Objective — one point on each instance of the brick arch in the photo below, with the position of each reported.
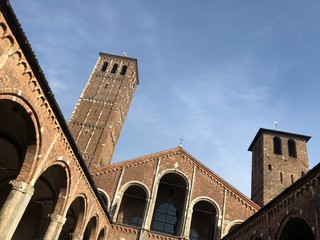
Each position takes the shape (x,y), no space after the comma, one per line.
(91,226)
(163,193)
(102,234)
(132,207)
(232,225)
(107,197)
(176,171)
(190,224)
(19,141)
(82,220)
(131,183)
(294,214)
(31,160)
(50,192)
(64,192)
(208,199)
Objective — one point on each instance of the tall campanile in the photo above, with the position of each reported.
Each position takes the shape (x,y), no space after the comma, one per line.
(97,119)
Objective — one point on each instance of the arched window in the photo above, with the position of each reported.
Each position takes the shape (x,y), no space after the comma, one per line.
(234,227)
(296,229)
(165,218)
(277,148)
(104,66)
(170,204)
(136,221)
(114,68)
(292,148)
(204,220)
(124,70)
(132,206)
(104,198)
(194,235)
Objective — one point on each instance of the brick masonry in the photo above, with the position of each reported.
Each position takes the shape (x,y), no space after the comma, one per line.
(42,162)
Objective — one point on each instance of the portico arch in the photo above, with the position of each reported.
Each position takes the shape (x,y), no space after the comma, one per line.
(296,228)
(47,202)
(90,231)
(17,143)
(74,219)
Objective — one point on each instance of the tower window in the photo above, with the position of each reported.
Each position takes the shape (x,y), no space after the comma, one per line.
(302,173)
(281,177)
(292,148)
(114,68)
(292,180)
(104,66)
(277,149)
(124,70)
(270,167)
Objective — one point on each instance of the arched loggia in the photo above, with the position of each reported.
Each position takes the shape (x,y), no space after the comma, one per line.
(17,141)
(90,230)
(296,229)
(36,218)
(74,219)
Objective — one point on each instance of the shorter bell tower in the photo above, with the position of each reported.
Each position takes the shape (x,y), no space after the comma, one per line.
(278,159)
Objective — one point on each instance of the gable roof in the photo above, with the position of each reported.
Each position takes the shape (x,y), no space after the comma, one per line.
(177,150)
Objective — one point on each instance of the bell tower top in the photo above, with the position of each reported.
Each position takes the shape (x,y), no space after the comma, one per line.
(278,159)
(98,117)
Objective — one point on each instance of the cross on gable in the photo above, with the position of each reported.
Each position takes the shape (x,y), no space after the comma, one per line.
(176,165)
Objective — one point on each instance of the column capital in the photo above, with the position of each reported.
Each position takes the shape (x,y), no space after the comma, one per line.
(58,218)
(22,187)
(75,236)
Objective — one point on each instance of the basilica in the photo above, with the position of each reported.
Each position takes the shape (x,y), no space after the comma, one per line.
(57,181)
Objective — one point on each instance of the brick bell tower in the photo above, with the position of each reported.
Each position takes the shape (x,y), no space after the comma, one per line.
(278,159)
(97,119)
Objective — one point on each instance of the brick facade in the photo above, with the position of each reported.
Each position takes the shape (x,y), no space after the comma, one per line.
(48,192)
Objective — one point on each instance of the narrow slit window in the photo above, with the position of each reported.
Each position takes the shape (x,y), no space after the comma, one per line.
(124,70)
(281,177)
(270,167)
(114,68)
(104,66)
(292,180)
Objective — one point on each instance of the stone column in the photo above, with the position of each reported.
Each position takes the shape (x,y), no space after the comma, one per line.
(55,227)
(14,207)
(76,237)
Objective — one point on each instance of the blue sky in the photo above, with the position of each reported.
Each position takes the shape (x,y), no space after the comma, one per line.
(212,72)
